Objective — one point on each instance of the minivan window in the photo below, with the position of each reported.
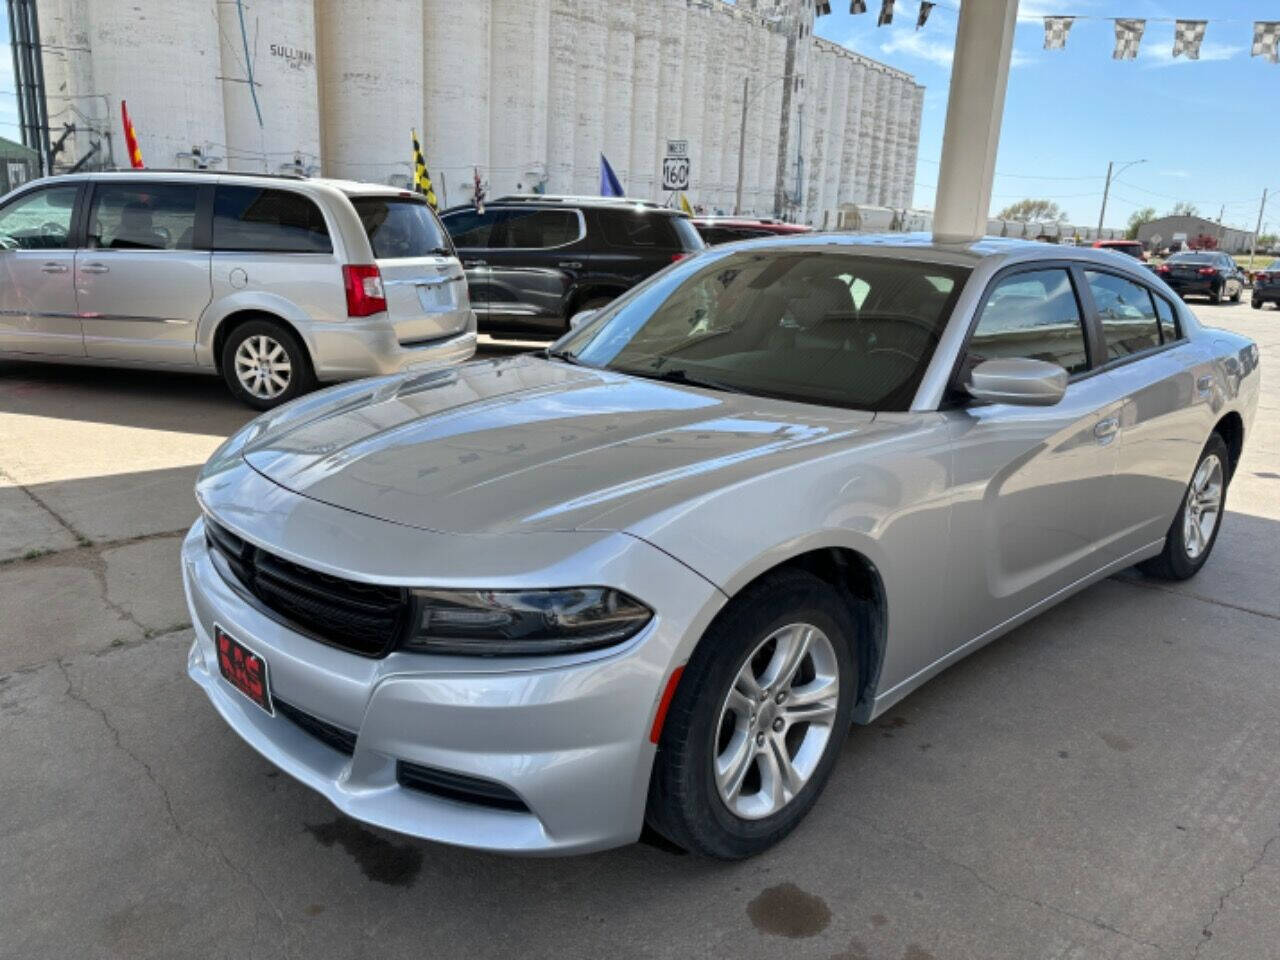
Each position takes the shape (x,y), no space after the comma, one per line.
(142,216)
(1128,316)
(264,220)
(38,220)
(469,228)
(1033,315)
(399,228)
(534,229)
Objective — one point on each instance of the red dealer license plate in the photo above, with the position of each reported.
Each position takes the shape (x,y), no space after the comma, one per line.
(243,669)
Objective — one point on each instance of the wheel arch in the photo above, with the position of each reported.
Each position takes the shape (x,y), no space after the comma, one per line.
(238,318)
(1231,428)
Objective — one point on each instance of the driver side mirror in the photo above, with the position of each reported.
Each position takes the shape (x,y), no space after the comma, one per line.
(1019,381)
(580,318)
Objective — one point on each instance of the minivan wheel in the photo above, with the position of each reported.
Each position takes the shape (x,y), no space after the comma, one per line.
(758,719)
(265,365)
(1195,527)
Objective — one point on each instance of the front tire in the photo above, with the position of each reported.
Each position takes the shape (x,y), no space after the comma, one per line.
(264,364)
(758,719)
(1195,527)
(1235,297)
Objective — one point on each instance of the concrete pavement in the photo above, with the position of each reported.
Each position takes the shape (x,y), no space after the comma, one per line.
(1103,782)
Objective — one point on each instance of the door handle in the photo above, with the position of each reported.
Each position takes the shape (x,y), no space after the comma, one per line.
(1105,430)
(95,268)
(1204,384)
(571,264)
(53,267)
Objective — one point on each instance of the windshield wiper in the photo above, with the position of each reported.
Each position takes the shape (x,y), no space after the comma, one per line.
(682,375)
(564,355)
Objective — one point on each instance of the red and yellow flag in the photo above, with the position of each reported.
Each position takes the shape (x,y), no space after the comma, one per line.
(131,139)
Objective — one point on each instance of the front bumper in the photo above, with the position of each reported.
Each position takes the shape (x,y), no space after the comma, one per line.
(570,739)
(354,348)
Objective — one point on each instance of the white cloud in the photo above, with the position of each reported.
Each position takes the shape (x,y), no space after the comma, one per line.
(1160,53)
(1034,11)
(937,52)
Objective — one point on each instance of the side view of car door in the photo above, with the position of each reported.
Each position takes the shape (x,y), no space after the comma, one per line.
(1032,483)
(536,257)
(38,312)
(471,231)
(142,277)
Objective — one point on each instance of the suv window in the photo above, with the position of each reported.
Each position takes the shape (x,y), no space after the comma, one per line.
(258,219)
(1034,315)
(142,216)
(400,228)
(1128,316)
(39,220)
(536,229)
(469,228)
(627,228)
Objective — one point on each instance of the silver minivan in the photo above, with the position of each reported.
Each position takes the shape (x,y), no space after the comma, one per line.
(273,282)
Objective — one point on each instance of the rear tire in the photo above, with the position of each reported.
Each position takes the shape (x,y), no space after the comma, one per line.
(264,364)
(1215,293)
(1195,527)
(737,766)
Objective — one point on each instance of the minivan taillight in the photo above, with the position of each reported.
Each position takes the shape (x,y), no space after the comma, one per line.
(365,295)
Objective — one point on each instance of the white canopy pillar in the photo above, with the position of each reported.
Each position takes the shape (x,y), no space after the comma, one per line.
(975,108)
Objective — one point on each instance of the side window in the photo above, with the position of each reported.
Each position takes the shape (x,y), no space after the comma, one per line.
(1034,315)
(142,216)
(626,229)
(469,228)
(1168,320)
(253,219)
(537,229)
(39,220)
(1128,316)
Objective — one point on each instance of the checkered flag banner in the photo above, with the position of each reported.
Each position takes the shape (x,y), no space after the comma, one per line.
(925,9)
(1187,36)
(857,6)
(821,7)
(886,14)
(1128,36)
(1266,40)
(1055,32)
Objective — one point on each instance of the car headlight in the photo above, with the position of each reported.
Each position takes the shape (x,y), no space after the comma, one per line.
(518,622)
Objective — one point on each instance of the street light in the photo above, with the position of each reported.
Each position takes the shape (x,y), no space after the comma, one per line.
(742,136)
(1107,189)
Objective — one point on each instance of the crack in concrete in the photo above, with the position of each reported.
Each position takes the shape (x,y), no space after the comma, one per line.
(1009,894)
(48,556)
(77,694)
(1206,932)
(80,538)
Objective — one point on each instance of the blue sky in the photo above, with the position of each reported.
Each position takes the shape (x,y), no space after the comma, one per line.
(1067,112)
(1197,123)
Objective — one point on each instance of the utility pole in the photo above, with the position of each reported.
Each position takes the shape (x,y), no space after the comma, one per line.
(1106,191)
(742,147)
(1253,244)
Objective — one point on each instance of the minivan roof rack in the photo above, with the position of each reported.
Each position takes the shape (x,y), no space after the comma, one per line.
(220,173)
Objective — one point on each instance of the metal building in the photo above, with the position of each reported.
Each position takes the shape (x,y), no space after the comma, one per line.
(527,93)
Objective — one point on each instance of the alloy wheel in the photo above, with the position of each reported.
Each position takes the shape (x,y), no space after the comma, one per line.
(1204,503)
(776,721)
(263,367)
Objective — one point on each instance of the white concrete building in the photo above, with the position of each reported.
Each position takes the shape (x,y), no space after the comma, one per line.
(530,92)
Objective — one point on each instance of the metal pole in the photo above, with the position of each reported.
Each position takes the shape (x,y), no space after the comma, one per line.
(742,148)
(1105,191)
(1253,244)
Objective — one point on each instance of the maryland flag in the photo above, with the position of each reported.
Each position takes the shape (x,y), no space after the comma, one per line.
(422,179)
(131,139)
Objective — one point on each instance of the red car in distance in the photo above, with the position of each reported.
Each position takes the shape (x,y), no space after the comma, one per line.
(727,229)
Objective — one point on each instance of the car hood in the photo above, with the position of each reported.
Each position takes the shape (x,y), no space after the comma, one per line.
(526,444)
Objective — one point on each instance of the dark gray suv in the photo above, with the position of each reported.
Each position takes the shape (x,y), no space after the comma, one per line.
(534,261)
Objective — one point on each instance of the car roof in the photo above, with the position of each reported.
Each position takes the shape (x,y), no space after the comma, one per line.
(553,202)
(350,187)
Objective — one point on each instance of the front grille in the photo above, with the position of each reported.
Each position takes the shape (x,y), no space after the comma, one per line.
(344,741)
(361,618)
(457,786)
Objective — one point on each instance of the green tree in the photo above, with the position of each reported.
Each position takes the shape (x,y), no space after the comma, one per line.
(1184,208)
(1137,219)
(1025,211)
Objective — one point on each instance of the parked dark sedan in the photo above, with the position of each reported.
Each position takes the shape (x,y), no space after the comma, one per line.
(1266,286)
(532,262)
(1206,272)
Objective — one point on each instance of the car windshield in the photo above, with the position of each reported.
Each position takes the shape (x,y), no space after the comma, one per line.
(839,329)
(399,228)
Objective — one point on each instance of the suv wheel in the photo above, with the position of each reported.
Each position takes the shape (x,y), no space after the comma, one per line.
(265,365)
(757,720)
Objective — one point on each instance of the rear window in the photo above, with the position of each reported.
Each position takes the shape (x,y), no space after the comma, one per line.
(400,228)
(263,220)
(1193,258)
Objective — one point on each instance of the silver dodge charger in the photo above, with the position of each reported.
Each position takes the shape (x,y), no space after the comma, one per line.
(652,574)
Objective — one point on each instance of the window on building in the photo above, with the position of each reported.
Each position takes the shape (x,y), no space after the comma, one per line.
(142,216)
(267,221)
